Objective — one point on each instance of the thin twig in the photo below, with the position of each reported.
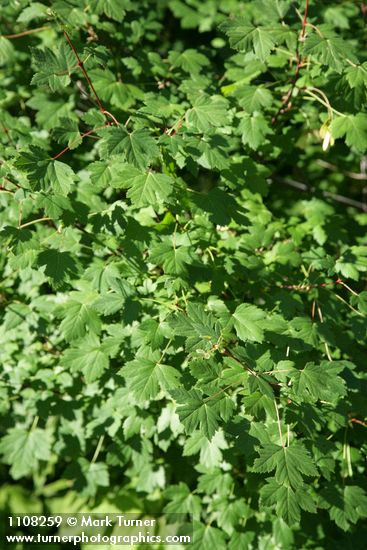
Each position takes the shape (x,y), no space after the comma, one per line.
(214,395)
(350,289)
(334,168)
(34,221)
(334,196)
(98,449)
(322,320)
(3,190)
(304,22)
(81,65)
(85,73)
(357,421)
(111,116)
(86,134)
(24,33)
(13,183)
(323,100)
(300,63)
(348,305)
(309,286)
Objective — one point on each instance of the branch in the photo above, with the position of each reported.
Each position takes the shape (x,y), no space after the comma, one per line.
(68,148)
(327,194)
(286,99)
(84,71)
(4,190)
(309,286)
(353,175)
(357,421)
(304,22)
(25,33)
(35,221)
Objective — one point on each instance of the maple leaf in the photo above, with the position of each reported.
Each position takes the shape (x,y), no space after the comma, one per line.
(137,147)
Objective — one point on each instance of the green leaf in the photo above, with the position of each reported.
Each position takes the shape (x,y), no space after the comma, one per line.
(207,537)
(23,450)
(111,89)
(60,267)
(195,411)
(190,61)
(78,318)
(88,476)
(34,11)
(35,163)
(172,256)
(254,129)
(89,357)
(248,322)
(67,132)
(53,69)
(138,147)
(328,48)
(288,501)
(318,382)
(245,38)
(146,378)
(346,504)
(199,327)
(145,189)
(210,452)
(115,9)
(60,176)
(354,128)
(291,463)
(356,76)
(206,113)
(254,98)
(182,501)
(6,51)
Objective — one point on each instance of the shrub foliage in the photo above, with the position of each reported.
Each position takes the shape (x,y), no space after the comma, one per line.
(183,217)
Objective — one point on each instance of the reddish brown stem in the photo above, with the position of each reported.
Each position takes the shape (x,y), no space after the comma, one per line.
(286,99)
(304,22)
(85,73)
(111,116)
(25,33)
(357,421)
(307,287)
(82,136)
